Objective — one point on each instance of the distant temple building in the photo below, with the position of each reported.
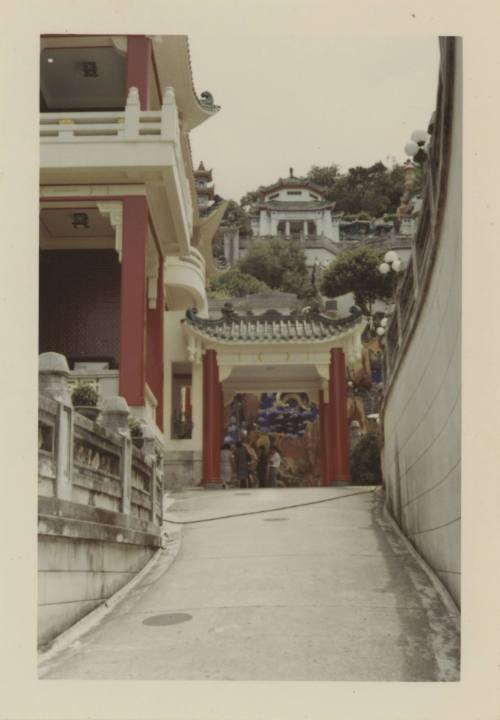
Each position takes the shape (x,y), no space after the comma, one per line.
(204,187)
(295,208)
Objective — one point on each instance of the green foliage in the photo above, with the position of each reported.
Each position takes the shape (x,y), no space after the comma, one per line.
(234,283)
(374,190)
(181,426)
(357,271)
(280,263)
(364,461)
(250,198)
(325,176)
(235,215)
(135,427)
(84,394)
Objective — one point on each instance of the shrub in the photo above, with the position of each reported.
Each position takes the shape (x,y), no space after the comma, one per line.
(135,427)
(364,461)
(84,394)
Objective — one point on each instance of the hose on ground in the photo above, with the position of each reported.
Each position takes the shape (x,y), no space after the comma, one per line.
(269,510)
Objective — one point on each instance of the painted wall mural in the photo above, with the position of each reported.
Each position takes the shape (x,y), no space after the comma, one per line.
(287,420)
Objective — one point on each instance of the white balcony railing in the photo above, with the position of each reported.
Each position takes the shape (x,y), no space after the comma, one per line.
(132,124)
(75,132)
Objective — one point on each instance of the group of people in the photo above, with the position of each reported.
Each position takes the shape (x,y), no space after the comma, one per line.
(250,468)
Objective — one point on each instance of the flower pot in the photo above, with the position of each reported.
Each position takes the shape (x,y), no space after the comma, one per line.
(89,411)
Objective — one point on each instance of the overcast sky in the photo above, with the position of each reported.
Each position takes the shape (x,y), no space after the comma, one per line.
(302,100)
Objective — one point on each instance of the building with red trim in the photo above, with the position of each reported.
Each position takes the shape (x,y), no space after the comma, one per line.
(122,241)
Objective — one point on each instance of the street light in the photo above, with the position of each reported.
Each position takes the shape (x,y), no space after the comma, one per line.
(392,261)
(415,148)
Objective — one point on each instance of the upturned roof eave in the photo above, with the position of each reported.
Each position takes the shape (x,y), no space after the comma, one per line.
(173,61)
(326,343)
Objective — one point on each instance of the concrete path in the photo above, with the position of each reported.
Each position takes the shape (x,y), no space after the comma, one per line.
(326,591)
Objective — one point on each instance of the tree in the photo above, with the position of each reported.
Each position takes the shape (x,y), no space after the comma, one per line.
(325,176)
(234,283)
(279,263)
(374,189)
(357,271)
(235,215)
(250,198)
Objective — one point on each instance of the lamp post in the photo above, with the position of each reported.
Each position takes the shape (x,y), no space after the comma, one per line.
(392,263)
(416,147)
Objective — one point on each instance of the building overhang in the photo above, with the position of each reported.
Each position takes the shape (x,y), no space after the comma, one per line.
(173,63)
(130,147)
(204,234)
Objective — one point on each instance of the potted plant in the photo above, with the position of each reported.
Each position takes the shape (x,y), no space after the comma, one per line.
(136,433)
(181,426)
(84,398)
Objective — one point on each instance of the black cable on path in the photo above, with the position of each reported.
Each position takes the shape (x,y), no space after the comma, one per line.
(260,512)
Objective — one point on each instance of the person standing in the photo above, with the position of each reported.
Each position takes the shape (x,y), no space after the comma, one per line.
(274,466)
(226,465)
(241,459)
(262,465)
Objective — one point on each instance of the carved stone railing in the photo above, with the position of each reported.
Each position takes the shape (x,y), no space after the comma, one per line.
(413,287)
(94,464)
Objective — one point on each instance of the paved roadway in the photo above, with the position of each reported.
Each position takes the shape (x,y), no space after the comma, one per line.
(326,591)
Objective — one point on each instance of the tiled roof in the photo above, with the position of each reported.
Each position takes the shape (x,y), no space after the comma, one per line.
(272,326)
(298,205)
(294,182)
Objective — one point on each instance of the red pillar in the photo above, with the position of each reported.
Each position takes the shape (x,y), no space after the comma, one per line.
(154,350)
(211,421)
(188,410)
(139,67)
(325,434)
(338,404)
(133,300)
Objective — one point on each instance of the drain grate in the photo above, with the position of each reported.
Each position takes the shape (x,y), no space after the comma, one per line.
(274,519)
(167,619)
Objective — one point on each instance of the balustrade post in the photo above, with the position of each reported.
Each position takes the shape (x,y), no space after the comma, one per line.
(169,119)
(132,110)
(53,382)
(115,414)
(148,448)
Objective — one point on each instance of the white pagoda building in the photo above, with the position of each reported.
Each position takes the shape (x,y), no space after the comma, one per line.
(293,208)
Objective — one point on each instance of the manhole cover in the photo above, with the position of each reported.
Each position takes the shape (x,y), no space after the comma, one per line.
(274,519)
(167,619)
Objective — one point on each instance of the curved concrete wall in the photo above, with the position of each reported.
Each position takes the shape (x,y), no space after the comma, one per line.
(421,455)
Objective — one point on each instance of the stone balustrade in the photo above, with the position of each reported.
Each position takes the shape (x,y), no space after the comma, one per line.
(99,505)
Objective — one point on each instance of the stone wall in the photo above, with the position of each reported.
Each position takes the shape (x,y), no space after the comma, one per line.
(182,469)
(421,415)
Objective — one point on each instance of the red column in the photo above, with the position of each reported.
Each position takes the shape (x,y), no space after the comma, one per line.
(325,434)
(188,410)
(133,300)
(138,67)
(211,420)
(338,404)
(154,350)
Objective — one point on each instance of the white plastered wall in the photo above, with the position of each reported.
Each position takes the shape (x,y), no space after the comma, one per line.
(422,418)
